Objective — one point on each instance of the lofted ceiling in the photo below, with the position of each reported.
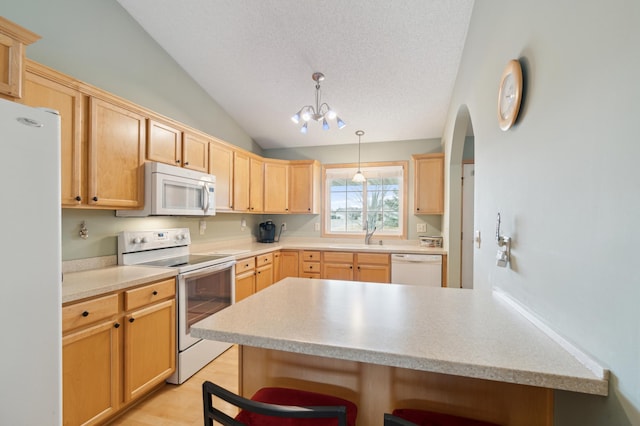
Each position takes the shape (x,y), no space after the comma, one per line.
(389,65)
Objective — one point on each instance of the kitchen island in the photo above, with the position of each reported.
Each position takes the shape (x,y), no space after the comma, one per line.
(387,346)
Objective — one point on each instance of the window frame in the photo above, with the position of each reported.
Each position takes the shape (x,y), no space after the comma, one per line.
(326,199)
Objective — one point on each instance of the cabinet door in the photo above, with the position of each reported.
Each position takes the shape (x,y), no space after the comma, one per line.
(221,165)
(256,185)
(302,187)
(150,347)
(116,156)
(264,277)
(373,273)
(240,181)
(245,285)
(13,39)
(195,153)
(276,187)
(288,264)
(164,143)
(90,366)
(429,184)
(42,92)
(337,271)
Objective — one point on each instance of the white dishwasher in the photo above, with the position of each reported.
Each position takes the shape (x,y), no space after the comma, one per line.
(418,269)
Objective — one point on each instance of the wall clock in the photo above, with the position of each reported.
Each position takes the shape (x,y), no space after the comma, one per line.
(510,94)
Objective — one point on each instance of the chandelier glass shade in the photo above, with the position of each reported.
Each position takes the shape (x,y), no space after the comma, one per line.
(359,177)
(320,112)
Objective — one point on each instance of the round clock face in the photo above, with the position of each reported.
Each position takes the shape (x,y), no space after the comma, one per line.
(510,94)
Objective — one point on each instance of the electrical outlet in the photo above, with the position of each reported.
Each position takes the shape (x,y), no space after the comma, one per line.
(317,226)
(284,226)
(422,227)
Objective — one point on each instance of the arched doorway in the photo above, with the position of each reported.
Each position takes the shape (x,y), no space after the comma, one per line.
(461,154)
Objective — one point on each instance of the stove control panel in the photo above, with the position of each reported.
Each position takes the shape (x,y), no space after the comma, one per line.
(136,241)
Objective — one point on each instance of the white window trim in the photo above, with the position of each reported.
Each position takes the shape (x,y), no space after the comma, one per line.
(326,201)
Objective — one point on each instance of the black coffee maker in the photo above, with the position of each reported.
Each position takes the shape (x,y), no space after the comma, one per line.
(267,232)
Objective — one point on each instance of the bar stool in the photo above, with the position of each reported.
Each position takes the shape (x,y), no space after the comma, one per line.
(415,417)
(274,406)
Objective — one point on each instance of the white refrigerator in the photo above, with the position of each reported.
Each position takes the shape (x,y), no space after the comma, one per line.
(30,311)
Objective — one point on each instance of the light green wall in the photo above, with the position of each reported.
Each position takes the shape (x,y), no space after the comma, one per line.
(563,179)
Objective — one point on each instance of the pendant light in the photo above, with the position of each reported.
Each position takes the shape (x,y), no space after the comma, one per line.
(320,112)
(359,177)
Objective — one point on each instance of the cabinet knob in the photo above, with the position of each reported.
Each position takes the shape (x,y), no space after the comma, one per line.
(177,161)
(132,319)
(311,267)
(418,208)
(116,325)
(78,198)
(308,209)
(85,314)
(95,198)
(155,293)
(186,163)
(350,267)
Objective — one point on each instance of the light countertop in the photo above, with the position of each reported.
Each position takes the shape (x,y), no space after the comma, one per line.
(95,282)
(451,331)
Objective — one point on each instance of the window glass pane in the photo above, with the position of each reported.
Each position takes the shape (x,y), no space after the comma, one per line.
(377,200)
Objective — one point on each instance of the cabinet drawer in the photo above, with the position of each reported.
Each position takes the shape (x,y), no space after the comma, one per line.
(373,258)
(311,267)
(149,293)
(311,255)
(83,313)
(245,265)
(309,275)
(265,259)
(337,257)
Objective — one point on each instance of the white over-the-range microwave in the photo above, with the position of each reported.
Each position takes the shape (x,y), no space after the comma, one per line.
(175,191)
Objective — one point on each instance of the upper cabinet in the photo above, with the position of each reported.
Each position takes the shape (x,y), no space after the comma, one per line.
(304,182)
(116,155)
(276,186)
(221,165)
(428,183)
(256,184)
(168,144)
(13,39)
(45,88)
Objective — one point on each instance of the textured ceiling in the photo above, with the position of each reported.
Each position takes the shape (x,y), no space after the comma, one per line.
(389,65)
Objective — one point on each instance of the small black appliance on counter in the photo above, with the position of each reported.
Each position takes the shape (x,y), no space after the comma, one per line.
(267,232)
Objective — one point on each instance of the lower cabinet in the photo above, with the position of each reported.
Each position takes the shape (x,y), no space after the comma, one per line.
(369,267)
(253,274)
(114,351)
(309,264)
(288,265)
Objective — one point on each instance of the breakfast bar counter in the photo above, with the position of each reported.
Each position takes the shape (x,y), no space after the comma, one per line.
(384,346)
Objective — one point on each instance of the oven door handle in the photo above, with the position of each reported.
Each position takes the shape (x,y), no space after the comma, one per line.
(208,270)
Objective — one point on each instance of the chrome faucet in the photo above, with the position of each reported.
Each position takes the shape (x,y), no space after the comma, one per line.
(368,235)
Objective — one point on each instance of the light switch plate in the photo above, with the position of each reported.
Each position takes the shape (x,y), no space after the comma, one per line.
(317,226)
(422,227)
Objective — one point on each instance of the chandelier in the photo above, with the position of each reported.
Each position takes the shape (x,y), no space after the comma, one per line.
(321,111)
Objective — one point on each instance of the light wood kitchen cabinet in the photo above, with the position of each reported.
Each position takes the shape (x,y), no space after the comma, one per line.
(221,166)
(276,186)
(116,348)
(150,347)
(304,186)
(369,267)
(245,278)
(13,40)
(116,155)
(373,267)
(289,264)
(256,184)
(310,264)
(90,360)
(168,144)
(46,88)
(428,183)
(264,271)
(337,265)
(241,181)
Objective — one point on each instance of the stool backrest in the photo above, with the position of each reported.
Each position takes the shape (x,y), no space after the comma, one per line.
(211,413)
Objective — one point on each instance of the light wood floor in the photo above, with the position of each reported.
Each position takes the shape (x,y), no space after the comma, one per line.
(182,405)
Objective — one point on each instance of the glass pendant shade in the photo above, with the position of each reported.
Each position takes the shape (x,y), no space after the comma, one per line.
(358,177)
